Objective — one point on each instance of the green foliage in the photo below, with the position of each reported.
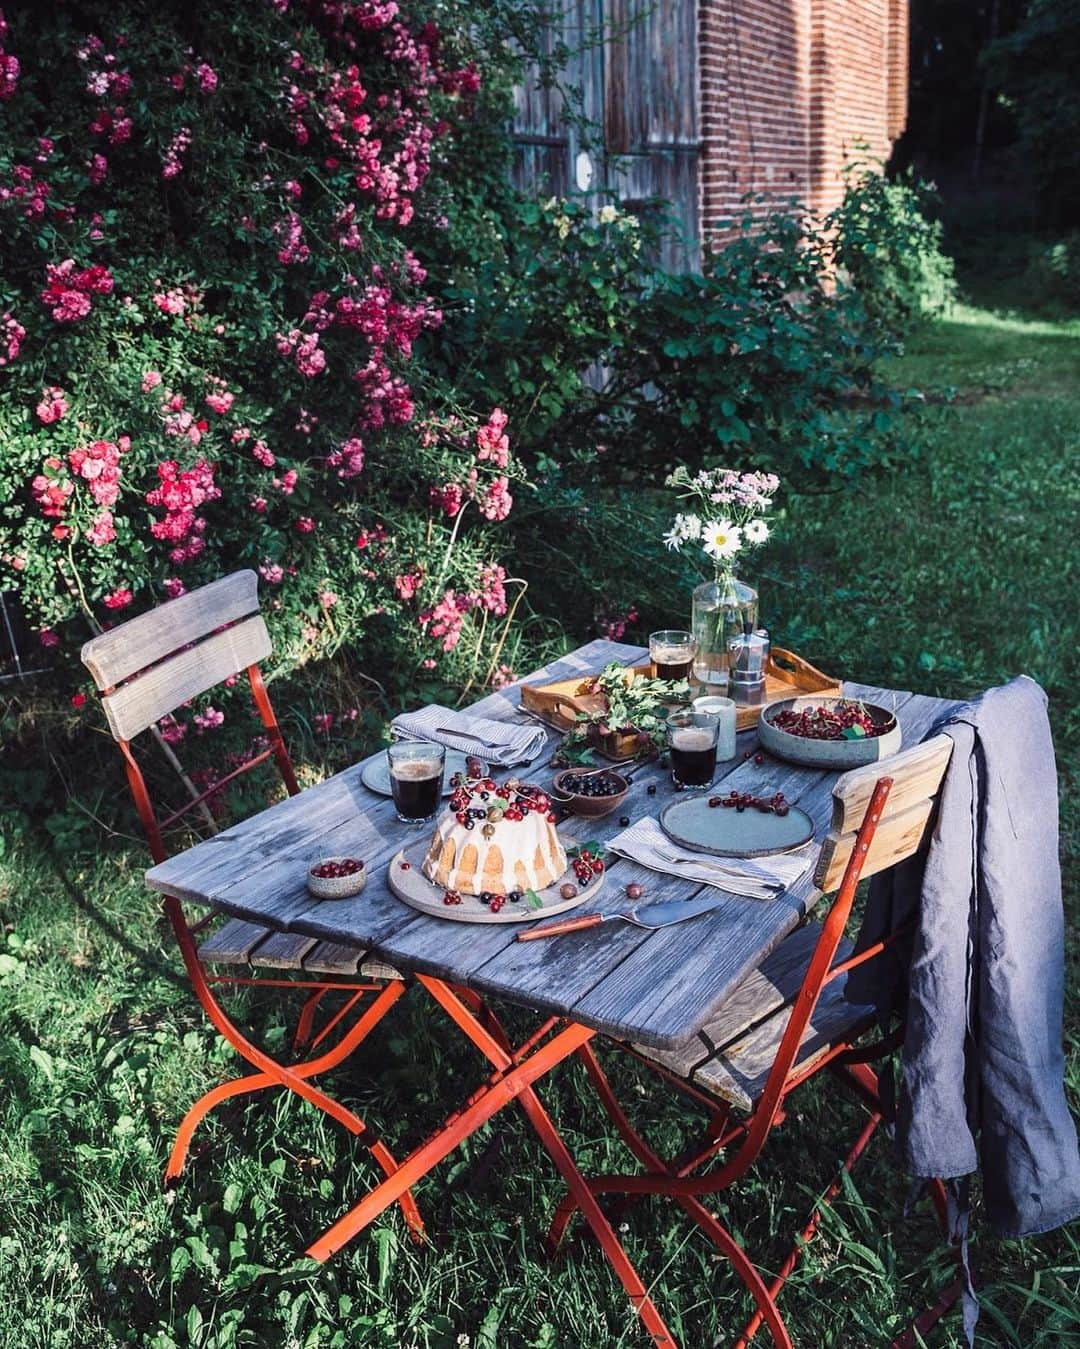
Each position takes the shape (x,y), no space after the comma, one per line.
(1035,67)
(889,249)
(947,576)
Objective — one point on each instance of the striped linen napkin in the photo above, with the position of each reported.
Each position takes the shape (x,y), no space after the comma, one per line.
(496,742)
(755,877)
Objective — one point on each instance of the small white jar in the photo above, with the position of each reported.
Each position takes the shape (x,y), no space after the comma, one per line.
(724,710)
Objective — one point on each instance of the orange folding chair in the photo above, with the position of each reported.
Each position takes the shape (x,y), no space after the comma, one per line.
(787,1022)
(145,669)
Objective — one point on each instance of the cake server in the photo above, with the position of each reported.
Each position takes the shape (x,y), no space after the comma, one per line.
(642,915)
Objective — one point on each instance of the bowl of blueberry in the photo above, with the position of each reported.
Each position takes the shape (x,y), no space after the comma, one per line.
(589,791)
(336,877)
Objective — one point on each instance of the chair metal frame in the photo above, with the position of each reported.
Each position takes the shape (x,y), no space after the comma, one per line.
(742,1140)
(269,1072)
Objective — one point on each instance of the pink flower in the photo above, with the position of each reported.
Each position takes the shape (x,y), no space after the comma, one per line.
(448,497)
(98,169)
(496,502)
(271,572)
(11,338)
(492,596)
(208,720)
(101,530)
(262,453)
(323,722)
(181,493)
(48,638)
(408,583)
(348,459)
(53,405)
(502,677)
(172,731)
(207,77)
(173,160)
(118,599)
(327,599)
(174,587)
(99,465)
(51,492)
(258,505)
(171,301)
(287,482)
(9,75)
(150,381)
(445,619)
(67,292)
(220,402)
(493,445)
(305,525)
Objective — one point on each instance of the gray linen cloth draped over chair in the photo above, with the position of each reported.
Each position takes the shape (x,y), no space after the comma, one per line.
(982,1069)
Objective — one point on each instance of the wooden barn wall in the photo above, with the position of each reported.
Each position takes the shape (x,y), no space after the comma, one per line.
(640,90)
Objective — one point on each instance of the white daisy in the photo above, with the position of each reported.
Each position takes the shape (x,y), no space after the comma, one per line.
(755,531)
(684,529)
(721,539)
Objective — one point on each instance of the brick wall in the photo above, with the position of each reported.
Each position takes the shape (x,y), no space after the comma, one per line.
(788,90)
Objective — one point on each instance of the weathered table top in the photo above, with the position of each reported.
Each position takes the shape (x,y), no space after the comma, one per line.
(656,988)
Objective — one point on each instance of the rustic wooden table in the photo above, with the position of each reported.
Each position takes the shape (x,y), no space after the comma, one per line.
(655,988)
(652,988)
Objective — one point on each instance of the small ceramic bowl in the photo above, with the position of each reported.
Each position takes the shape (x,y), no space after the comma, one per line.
(337,886)
(563,793)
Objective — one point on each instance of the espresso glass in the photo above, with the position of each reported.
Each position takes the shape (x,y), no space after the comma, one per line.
(416,779)
(672,653)
(692,746)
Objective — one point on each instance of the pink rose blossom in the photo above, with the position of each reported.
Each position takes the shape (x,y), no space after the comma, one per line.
(327,599)
(118,599)
(323,722)
(11,338)
(208,720)
(305,525)
(48,638)
(150,380)
(220,402)
(493,445)
(172,731)
(271,572)
(348,459)
(174,587)
(53,405)
(207,77)
(101,530)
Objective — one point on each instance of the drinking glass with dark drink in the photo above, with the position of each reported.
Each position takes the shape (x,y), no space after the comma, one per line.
(692,745)
(672,653)
(416,779)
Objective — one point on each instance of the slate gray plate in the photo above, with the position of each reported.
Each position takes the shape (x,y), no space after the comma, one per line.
(375,774)
(724,832)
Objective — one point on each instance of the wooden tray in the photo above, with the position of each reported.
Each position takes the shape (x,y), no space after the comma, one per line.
(786,676)
(412,887)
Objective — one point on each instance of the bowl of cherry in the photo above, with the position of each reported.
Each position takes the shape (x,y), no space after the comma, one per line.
(336,877)
(829,732)
(588,791)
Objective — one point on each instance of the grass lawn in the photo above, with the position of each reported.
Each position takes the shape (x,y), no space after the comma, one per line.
(955,572)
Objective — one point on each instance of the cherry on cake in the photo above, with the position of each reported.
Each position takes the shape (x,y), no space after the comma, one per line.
(495,840)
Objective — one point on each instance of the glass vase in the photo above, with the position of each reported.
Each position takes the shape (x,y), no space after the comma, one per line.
(721,609)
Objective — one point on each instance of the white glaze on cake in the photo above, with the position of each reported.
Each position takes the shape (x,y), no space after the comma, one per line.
(498,854)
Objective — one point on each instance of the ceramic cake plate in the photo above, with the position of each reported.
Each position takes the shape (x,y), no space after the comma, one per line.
(412,887)
(727,832)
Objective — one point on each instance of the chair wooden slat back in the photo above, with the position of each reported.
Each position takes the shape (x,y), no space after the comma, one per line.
(895,798)
(916,779)
(151,665)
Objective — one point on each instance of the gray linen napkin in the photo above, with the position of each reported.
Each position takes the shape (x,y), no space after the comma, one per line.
(755,877)
(496,742)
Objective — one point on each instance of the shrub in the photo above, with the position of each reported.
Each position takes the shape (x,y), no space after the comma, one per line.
(889,249)
(214,318)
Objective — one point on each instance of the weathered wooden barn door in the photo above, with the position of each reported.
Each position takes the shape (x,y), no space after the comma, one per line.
(553,156)
(639,90)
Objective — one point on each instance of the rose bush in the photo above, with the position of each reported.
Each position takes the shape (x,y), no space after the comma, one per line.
(213,309)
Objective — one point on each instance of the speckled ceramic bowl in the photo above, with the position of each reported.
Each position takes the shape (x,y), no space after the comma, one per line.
(836,754)
(336,887)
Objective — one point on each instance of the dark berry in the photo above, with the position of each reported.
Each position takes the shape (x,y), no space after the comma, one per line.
(405,866)
(714,801)
(651,788)
(634,891)
(624,820)
(759,758)
(568,891)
